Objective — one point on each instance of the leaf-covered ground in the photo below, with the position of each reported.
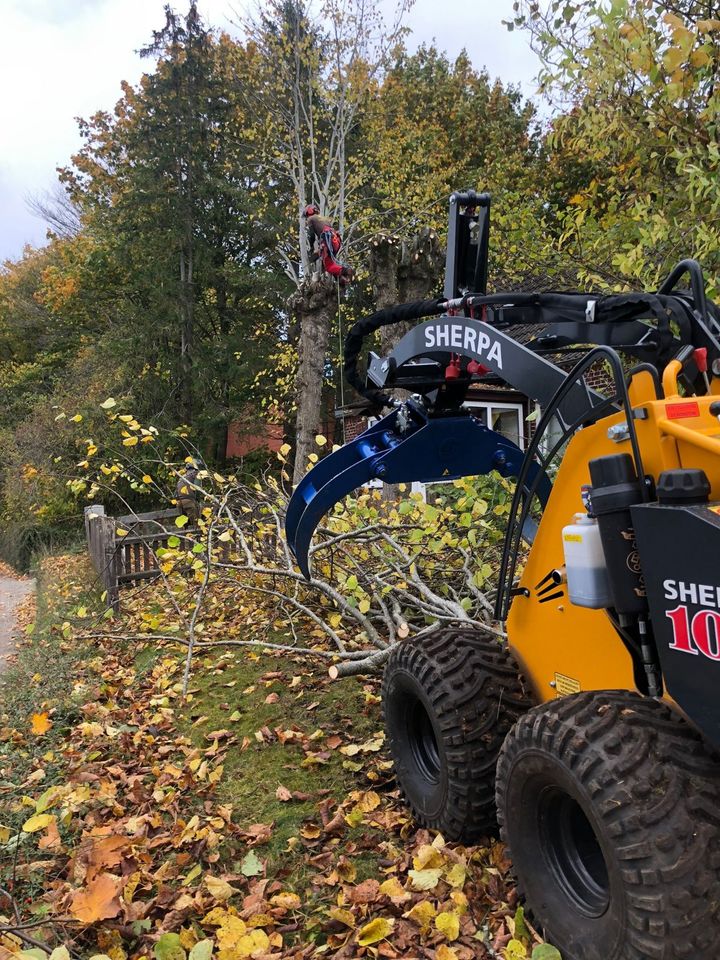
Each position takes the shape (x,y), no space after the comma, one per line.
(257,818)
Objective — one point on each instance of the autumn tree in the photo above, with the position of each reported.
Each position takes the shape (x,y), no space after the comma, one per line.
(166,184)
(635,142)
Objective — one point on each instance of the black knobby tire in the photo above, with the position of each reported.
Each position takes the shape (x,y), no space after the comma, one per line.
(610,807)
(449,701)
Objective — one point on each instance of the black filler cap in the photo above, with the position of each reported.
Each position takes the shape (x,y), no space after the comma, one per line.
(683,486)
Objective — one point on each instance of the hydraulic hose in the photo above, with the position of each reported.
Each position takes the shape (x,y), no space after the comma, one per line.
(358,333)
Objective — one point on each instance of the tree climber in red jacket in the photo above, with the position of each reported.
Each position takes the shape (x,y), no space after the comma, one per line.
(328,241)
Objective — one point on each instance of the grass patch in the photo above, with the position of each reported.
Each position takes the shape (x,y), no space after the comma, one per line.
(290,723)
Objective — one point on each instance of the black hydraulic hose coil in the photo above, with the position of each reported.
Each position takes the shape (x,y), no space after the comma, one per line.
(357,334)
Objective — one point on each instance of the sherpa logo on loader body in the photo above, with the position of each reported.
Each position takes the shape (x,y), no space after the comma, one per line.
(699,631)
(463,337)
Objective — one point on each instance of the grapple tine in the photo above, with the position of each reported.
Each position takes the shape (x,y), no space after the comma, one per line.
(355,452)
(398,449)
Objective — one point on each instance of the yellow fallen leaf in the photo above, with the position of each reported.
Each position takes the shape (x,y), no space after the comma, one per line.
(444,952)
(254,943)
(320,440)
(428,857)
(448,924)
(515,950)
(5,834)
(456,875)
(225,536)
(130,441)
(229,932)
(422,914)
(219,889)
(376,930)
(38,822)
(393,888)
(290,901)
(41,723)
(147,478)
(368,801)
(342,916)
(425,879)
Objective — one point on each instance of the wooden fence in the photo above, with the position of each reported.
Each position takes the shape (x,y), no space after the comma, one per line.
(130,557)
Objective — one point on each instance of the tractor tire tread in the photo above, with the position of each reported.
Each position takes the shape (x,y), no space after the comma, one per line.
(656,786)
(477,694)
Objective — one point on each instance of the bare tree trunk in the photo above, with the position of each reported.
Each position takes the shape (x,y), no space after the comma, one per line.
(314,305)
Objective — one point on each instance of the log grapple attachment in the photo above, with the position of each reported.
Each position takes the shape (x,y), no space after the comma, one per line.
(404,446)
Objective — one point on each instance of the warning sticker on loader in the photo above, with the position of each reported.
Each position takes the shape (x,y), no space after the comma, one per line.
(566,685)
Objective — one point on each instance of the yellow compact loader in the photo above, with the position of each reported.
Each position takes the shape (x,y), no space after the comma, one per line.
(590,737)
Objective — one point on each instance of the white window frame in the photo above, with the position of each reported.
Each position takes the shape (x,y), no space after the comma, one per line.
(488,405)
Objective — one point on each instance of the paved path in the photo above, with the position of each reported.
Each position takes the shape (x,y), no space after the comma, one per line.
(11,593)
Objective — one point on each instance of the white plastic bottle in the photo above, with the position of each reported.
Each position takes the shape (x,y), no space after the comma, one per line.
(585,567)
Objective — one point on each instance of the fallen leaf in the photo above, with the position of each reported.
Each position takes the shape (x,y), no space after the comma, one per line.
(444,952)
(282,793)
(448,924)
(346,917)
(289,901)
(219,889)
(544,951)
(378,929)
(251,865)
(202,950)
(422,914)
(38,822)
(41,723)
(393,888)
(515,950)
(51,840)
(99,900)
(425,879)
(169,947)
(229,932)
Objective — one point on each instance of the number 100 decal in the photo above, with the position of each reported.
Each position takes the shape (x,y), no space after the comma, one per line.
(699,634)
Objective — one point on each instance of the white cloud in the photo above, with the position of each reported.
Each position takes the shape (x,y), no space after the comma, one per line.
(60,59)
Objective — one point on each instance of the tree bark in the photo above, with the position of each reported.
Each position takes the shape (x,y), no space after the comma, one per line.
(384,263)
(314,306)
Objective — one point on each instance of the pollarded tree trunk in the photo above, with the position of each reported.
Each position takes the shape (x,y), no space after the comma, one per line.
(384,263)
(314,306)
(421,265)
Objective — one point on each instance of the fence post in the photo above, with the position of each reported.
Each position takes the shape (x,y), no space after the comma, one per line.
(110,565)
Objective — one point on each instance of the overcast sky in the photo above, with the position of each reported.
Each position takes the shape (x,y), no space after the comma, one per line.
(60,59)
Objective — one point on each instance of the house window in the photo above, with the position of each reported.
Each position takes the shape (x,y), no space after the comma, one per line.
(507,419)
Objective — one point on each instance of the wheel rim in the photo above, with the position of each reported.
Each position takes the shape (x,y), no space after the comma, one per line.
(573,853)
(422,740)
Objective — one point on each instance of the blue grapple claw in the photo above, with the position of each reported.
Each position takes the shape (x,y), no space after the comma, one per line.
(404,446)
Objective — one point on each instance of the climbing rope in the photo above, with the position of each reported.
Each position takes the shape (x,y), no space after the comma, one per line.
(340,358)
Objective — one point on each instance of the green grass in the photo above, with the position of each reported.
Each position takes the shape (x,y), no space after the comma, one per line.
(230,692)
